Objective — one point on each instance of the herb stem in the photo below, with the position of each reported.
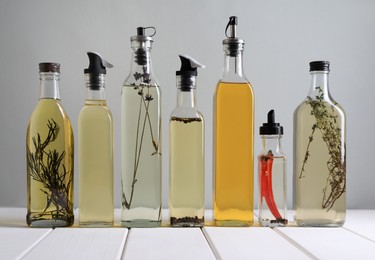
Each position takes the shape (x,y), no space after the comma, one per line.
(145,99)
(326,122)
(307,153)
(47,168)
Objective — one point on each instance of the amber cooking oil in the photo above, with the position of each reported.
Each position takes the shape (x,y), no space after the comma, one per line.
(234,163)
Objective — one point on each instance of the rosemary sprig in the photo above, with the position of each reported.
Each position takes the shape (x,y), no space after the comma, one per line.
(143,90)
(326,123)
(45,166)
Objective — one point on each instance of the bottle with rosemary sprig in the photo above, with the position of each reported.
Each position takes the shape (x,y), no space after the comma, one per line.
(141,138)
(49,156)
(319,155)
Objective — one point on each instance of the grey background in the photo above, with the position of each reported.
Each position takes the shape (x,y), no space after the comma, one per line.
(281,38)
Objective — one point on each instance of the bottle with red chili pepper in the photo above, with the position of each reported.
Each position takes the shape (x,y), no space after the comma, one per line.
(272,175)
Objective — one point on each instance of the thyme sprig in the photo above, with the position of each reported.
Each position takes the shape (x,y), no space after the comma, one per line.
(143,90)
(46,167)
(326,123)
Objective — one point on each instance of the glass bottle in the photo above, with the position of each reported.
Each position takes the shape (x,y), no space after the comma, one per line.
(49,156)
(95,149)
(141,138)
(319,155)
(233,138)
(272,175)
(186,199)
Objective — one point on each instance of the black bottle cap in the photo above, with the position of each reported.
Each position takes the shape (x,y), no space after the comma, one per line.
(188,66)
(96,68)
(141,31)
(49,67)
(97,64)
(271,128)
(187,71)
(319,65)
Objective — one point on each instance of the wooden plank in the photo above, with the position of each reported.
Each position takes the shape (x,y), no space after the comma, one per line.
(167,243)
(81,243)
(361,222)
(16,238)
(16,242)
(251,242)
(330,243)
(356,239)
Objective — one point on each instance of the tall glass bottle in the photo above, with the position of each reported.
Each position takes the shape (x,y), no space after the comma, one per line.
(233,138)
(319,155)
(141,138)
(49,156)
(95,149)
(186,199)
(272,175)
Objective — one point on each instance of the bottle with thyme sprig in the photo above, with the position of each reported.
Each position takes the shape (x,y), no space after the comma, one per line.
(141,138)
(319,155)
(49,156)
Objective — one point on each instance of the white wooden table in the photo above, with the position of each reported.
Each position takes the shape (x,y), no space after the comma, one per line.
(356,240)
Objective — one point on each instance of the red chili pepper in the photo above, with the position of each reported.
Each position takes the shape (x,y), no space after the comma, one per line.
(266,184)
(263,178)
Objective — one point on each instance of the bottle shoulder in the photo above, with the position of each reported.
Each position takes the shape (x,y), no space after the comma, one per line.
(49,107)
(140,79)
(234,86)
(310,103)
(95,112)
(186,112)
(234,78)
(141,90)
(48,112)
(243,92)
(311,111)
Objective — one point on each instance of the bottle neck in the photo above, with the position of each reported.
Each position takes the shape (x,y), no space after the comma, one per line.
(49,85)
(95,87)
(141,60)
(319,84)
(233,65)
(271,143)
(186,91)
(186,98)
(141,65)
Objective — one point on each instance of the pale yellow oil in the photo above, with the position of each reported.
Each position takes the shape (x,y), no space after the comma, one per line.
(186,200)
(95,154)
(234,154)
(141,156)
(309,187)
(50,191)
